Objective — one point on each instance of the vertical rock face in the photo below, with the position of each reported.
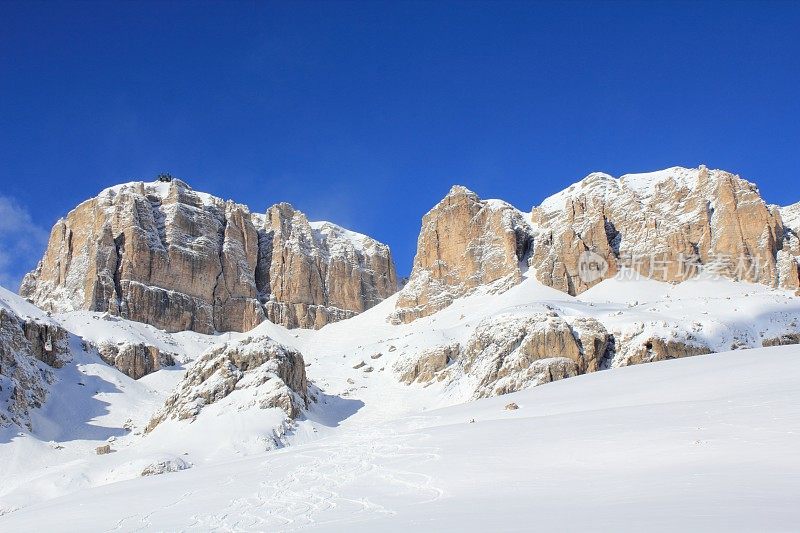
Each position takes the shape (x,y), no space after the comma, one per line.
(315,273)
(665,225)
(163,254)
(788,257)
(465,243)
(662,225)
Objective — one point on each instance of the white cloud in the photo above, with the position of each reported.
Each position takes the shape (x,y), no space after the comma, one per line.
(22,242)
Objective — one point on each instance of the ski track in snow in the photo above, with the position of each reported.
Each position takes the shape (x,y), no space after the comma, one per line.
(314,490)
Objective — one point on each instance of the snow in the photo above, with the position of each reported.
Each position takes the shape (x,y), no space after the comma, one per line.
(704,443)
(696,443)
(100,328)
(338,238)
(791,216)
(595,184)
(21,307)
(644,184)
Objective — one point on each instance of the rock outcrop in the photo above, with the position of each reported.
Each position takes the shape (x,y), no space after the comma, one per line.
(253,372)
(163,254)
(654,349)
(428,364)
(30,348)
(465,243)
(508,353)
(659,340)
(668,225)
(135,360)
(782,340)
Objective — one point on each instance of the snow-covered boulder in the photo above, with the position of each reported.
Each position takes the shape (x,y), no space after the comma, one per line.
(253,372)
(508,353)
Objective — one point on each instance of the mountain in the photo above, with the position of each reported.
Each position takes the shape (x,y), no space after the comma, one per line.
(163,254)
(668,225)
(503,355)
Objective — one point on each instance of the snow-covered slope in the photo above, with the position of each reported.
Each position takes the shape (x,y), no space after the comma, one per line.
(705,443)
(360,392)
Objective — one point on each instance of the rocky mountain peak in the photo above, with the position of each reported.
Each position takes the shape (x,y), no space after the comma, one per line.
(465,243)
(667,225)
(164,254)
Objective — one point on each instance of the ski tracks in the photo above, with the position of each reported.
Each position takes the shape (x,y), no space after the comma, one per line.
(327,483)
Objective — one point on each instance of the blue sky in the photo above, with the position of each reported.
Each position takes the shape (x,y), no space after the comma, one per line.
(365,113)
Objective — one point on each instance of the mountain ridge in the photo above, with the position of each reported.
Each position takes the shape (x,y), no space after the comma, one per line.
(166,255)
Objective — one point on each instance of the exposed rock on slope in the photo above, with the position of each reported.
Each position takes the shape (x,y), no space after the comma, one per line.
(253,372)
(30,346)
(664,225)
(647,347)
(508,353)
(465,243)
(134,360)
(165,255)
(427,364)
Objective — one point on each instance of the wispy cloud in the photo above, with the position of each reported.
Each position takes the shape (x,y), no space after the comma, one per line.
(22,242)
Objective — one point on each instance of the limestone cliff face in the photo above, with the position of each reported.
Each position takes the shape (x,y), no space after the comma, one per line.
(508,353)
(465,243)
(666,225)
(314,273)
(163,254)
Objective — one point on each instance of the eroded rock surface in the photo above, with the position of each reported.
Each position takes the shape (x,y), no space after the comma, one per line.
(253,372)
(177,259)
(662,225)
(665,225)
(29,351)
(135,360)
(508,353)
(465,243)
(428,364)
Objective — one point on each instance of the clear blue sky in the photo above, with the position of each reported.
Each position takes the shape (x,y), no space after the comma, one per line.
(365,113)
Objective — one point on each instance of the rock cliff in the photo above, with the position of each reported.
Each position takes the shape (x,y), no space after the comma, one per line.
(664,225)
(465,243)
(667,225)
(163,254)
